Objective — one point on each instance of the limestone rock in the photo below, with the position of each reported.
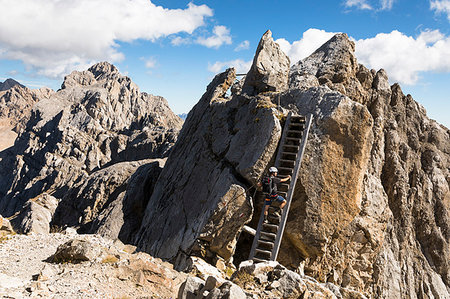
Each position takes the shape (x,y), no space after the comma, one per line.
(270,68)
(5,227)
(75,251)
(16,102)
(111,201)
(200,202)
(122,218)
(36,215)
(203,270)
(333,64)
(282,283)
(97,119)
(370,212)
(380,222)
(190,288)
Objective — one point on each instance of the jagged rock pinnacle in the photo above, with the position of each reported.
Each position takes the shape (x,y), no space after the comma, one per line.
(270,68)
(333,62)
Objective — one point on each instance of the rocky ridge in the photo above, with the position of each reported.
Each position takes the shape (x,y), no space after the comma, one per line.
(370,211)
(79,134)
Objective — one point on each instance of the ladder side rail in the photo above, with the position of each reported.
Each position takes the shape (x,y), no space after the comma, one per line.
(290,194)
(283,138)
(258,233)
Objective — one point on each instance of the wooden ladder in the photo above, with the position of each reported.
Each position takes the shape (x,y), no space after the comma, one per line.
(267,241)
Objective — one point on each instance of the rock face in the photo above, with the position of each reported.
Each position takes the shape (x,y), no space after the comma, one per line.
(270,68)
(371,208)
(98,119)
(111,202)
(201,200)
(383,202)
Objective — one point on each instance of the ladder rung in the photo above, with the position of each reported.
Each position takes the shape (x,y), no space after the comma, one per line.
(289,153)
(294,131)
(259,260)
(288,161)
(284,185)
(270,225)
(293,138)
(265,243)
(288,145)
(270,235)
(297,118)
(285,168)
(263,251)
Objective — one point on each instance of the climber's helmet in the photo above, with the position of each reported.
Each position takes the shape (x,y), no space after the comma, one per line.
(273,169)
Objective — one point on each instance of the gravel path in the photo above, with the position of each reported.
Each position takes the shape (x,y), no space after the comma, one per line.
(22,260)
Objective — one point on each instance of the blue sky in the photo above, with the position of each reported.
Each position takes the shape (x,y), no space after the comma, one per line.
(174,48)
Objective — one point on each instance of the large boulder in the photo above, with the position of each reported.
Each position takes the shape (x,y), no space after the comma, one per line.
(76,251)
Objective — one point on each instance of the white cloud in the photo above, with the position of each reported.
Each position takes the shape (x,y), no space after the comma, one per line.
(12,73)
(310,41)
(364,5)
(150,62)
(402,56)
(241,66)
(359,4)
(387,4)
(178,41)
(53,37)
(221,36)
(441,6)
(243,46)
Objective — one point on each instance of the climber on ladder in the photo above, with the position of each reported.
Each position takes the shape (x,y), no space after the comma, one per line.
(271,191)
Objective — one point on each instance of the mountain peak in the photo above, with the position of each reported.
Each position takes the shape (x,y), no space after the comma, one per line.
(98,71)
(9,83)
(333,62)
(103,69)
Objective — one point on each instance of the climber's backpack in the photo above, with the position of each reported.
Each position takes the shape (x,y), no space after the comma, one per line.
(267,185)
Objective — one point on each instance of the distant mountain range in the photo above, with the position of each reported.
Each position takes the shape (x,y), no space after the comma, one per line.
(9,83)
